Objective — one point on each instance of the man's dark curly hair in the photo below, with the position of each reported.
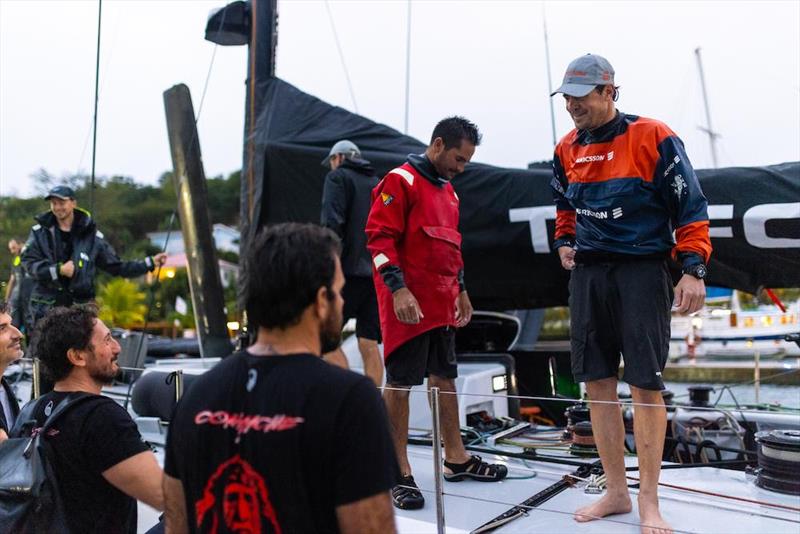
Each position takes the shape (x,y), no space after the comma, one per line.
(286,265)
(60,330)
(3,306)
(453,130)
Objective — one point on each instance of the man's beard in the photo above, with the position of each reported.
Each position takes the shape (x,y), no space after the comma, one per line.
(105,376)
(330,333)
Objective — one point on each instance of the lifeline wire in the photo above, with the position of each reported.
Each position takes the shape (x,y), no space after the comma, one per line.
(589,401)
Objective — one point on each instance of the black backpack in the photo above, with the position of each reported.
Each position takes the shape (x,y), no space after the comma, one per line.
(30,501)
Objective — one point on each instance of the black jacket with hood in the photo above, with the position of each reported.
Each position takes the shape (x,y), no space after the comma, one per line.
(346,201)
(89,252)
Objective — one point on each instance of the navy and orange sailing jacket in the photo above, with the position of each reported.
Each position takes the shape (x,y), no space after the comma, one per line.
(413,237)
(624,188)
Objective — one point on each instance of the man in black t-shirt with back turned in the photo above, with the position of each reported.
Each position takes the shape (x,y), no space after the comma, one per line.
(101,464)
(273,439)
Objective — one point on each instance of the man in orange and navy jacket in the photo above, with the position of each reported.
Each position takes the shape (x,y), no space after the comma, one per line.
(623,184)
(413,238)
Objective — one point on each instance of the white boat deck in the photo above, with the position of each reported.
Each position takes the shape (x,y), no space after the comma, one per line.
(469,504)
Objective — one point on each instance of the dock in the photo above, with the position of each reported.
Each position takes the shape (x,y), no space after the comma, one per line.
(784,372)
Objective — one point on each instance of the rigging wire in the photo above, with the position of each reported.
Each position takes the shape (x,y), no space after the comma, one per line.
(724,496)
(173,214)
(208,78)
(341,55)
(96,97)
(106,64)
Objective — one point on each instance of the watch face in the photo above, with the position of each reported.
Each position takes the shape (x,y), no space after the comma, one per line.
(700,271)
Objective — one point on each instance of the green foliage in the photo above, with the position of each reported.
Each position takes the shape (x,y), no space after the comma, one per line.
(223,198)
(124,211)
(121,303)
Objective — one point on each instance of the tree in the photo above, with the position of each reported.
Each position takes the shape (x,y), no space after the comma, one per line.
(121,303)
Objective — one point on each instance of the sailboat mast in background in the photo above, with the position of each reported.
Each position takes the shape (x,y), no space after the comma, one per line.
(708,129)
(549,77)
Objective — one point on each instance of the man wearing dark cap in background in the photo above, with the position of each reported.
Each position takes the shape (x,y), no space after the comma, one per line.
(346,200)
(18,290)
(623,184)
(64,251)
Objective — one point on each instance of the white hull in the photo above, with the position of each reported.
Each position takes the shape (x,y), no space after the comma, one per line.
(732,333)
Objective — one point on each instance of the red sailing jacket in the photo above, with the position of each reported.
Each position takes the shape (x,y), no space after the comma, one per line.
(413,224)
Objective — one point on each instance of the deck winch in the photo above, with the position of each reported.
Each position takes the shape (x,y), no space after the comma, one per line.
(779,461)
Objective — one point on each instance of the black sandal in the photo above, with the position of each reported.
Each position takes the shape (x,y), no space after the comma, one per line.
(475,469)
(406,495)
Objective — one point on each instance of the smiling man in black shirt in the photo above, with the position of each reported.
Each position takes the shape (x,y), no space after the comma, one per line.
(101,464)
(273,439)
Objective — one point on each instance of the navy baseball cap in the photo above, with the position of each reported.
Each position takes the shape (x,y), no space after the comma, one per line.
(584,74)
(61,191)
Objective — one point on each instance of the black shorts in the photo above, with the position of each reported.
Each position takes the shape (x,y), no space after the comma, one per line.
(430,353)
(622,308)
(361,303)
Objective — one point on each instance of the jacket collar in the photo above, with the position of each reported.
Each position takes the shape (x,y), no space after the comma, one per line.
(360,166)
(81,224)
(604,133)
(423,165)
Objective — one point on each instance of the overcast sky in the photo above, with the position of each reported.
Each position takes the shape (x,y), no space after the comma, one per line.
(482,59)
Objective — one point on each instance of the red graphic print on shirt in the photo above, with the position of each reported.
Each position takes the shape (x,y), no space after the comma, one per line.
(236,500)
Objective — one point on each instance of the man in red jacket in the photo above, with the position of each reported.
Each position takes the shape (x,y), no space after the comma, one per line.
(413,238)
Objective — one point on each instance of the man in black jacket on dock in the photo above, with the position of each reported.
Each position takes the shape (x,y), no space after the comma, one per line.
(64,251)
(346,201)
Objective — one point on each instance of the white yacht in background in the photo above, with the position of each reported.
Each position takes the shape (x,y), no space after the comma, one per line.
(724,330)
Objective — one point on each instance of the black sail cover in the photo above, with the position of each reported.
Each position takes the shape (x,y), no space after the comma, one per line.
(507,215)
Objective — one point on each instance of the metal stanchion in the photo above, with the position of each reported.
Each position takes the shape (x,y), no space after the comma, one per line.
(437,460)
(757,374)
(178,384)
(37,378)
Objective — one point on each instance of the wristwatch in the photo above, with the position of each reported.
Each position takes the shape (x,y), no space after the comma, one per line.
(699,271)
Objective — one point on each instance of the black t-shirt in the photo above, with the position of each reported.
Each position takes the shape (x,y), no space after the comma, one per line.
(278,440)
(88,439)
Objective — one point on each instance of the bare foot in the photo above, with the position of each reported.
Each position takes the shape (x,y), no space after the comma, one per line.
(608,504)
(651,520)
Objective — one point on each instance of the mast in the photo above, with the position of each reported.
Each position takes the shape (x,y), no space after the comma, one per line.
(549,77)
(254,23)
(708,129)
(96,97)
